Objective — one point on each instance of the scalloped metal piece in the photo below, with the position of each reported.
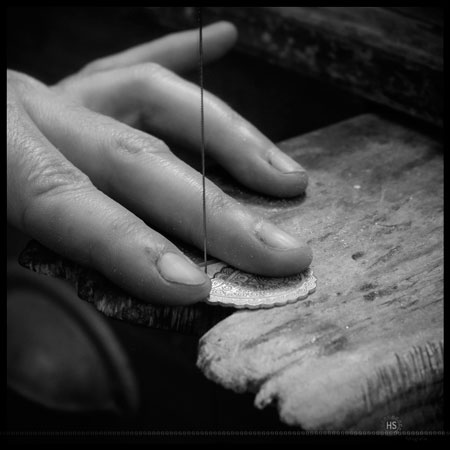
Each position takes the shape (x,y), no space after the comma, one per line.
(233,288)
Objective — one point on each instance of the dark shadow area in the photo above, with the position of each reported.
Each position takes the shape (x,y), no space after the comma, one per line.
(51,43)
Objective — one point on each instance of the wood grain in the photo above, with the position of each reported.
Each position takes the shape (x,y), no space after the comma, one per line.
(368,343)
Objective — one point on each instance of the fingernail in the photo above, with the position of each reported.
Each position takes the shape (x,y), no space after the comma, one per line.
(273,236)
(177,269)
(284,163)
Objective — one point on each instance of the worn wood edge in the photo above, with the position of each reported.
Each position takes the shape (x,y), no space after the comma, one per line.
(113,302)
(215,363)
(409,386)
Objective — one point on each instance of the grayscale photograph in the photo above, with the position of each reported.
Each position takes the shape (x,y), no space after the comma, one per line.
(225,225)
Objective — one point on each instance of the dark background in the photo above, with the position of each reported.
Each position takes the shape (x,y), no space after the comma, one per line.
(50,43)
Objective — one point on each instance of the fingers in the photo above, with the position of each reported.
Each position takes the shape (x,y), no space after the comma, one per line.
(54,202)
(177,51)
(169,107)
(142,174)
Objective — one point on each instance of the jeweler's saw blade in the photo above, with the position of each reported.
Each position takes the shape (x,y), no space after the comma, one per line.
(231,287)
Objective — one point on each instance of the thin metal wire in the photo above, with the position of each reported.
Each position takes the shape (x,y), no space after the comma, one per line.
(202,130)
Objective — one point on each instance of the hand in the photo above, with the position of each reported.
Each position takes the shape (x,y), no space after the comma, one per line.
(82,177)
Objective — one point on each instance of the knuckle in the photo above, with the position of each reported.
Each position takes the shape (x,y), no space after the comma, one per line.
(138,144)
(218,201)
(124,226)
(57,180)
(49,185)
(151,71)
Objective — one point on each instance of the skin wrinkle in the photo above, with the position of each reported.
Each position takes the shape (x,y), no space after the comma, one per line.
(45,175)
(152,247)
(137,143)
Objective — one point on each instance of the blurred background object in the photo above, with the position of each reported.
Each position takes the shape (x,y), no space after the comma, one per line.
(60,353)
(390,55)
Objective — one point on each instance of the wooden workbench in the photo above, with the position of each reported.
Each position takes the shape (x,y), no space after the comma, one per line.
(368,344)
